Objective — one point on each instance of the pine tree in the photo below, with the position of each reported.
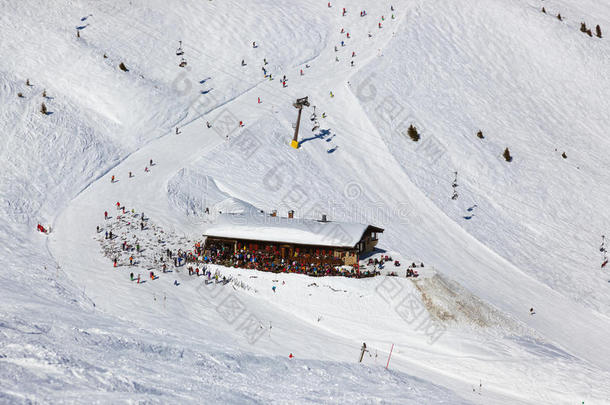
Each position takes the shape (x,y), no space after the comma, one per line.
(563,155)
(27,82)
(43,109)
(583,27)
(543,10)
(105,56)
(589,33)
(412,132)
(20,95)
(598,31)
(123,67)
(480,134)
(44,93)
(559,16)
(507,155)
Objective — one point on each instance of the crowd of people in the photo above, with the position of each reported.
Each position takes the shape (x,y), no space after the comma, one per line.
(269,258)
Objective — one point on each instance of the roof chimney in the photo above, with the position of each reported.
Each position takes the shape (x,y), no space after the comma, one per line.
(291,214)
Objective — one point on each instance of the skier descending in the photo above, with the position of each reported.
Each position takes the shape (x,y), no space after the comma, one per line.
(602,249)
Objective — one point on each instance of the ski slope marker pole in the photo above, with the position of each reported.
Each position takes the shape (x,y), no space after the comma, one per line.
(392,348)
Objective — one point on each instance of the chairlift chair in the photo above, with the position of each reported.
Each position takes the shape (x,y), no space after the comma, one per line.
(182,63)
(179,51)
(313,115)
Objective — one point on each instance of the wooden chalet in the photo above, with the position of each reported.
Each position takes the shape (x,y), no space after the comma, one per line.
(315,241)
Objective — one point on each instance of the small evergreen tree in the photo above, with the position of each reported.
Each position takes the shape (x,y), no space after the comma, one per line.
(589,33)
(105,56)
(20,95)
(43,109)
(507,155)
(413,134)
(27,82)
(123,67)
(543,10)
(563,155)
(583,27)
(480,134)
(598,31)
(559,17)
(44,93)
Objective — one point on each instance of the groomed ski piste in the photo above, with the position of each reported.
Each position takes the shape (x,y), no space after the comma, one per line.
(521,234)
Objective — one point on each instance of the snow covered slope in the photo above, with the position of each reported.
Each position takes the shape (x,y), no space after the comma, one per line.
(521,234)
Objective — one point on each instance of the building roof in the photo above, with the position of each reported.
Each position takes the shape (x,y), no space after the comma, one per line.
(265,228)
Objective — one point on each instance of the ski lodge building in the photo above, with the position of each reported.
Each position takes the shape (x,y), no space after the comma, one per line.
(341,242)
